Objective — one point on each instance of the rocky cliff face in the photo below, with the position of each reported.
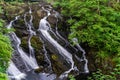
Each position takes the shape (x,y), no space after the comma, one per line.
(13,10)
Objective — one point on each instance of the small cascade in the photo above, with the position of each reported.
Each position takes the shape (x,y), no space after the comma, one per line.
(14,72)
(46,56)
(86,70)
(29,63)
(48,14)
(31,33)
(57,15)
(44,27)
(10,24)
(48,28)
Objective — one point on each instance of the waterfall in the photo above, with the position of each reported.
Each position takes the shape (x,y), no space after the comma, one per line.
(75,41)
(29,62)
(44,27)
(10,24)
(24,64)
(14,72)
(31,33)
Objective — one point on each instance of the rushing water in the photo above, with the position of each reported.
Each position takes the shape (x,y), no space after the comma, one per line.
(31,33)
(44,27)
(23,63)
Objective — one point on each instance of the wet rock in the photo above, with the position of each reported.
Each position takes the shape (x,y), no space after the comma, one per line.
(41,13)
(40,58)
(58,64)
(37,16)
(36,44)
(24,44)
(18,62)
(14,10)
(38,70)
(21,33)
(52,19)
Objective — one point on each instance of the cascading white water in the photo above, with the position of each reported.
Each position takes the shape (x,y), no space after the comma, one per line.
(10,24)
(57,15)
(46,55)
(14,72)
(31,33)
(51,42)
(86,70)
(44,27)
(29,63)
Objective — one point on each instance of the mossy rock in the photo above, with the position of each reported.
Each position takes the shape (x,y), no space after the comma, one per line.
(40,58)
(58,64)
(21,33)
(36,43)
(12,11)
(37,16)
(52,19)
(24,44)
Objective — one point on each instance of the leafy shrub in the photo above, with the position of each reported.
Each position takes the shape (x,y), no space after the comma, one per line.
(3,76)
(100,76)
(14,0)
(95,22)
(71,77)
(5,51)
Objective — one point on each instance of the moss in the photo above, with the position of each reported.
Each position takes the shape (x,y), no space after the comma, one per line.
(54,57)
(36,43)
(12,10)
(24,43)
(58,64)
(58,67)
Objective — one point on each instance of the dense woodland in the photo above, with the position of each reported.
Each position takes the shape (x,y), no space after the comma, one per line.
(96,24)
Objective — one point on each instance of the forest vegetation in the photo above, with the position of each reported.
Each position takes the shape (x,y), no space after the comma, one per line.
(96,24)
(5,49)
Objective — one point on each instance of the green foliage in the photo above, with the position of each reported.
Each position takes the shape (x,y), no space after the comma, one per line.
(3,29)
(95,22)
(1,11)
(3,76)
(116,71)
(100,76)
(14,0)
(5,50)
(71,77)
